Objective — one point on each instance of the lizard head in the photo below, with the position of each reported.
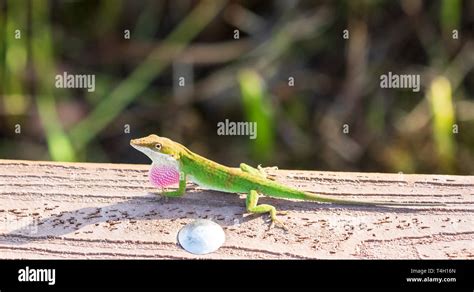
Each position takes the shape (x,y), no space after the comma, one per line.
(155,147)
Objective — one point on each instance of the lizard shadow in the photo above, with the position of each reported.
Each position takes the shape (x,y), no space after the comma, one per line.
(407,208)
(197,204)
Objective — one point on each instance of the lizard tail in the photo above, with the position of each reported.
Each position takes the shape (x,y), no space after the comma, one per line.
(286,192)
(325,199)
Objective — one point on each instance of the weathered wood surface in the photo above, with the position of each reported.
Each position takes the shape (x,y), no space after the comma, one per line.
(85,210)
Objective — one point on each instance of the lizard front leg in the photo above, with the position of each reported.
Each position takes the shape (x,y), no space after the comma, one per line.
(252,207)
(181,189)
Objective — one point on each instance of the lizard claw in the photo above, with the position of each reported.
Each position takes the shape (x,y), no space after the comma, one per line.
(260,167)
(262,170)
(278,223)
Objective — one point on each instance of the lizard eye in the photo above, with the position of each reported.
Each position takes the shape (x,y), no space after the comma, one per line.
(158,146)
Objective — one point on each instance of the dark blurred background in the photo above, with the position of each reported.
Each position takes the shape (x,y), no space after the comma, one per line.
(336,116)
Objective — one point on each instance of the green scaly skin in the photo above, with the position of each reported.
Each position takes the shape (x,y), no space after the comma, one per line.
(215,176)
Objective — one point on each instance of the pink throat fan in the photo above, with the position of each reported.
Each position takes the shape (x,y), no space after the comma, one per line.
(163,175)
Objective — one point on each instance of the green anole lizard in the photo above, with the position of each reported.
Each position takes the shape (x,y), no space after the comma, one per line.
(174,163)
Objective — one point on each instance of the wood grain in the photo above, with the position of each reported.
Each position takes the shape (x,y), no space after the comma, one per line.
(87,210)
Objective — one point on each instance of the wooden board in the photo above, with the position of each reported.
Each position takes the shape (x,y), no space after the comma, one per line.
(88,210)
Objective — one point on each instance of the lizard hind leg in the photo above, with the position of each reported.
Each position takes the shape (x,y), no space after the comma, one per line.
(252,207)
(252,170)
(260,171)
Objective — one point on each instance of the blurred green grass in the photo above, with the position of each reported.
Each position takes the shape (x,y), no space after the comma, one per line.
(258,109)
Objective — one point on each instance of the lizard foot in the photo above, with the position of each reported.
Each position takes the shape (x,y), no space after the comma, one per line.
(159,196)
(263,171)
(278,223)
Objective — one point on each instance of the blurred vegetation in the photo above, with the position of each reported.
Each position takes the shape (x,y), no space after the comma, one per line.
(315,95)
(258,109)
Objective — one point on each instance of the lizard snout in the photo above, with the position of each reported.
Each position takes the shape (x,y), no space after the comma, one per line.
(135,142)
